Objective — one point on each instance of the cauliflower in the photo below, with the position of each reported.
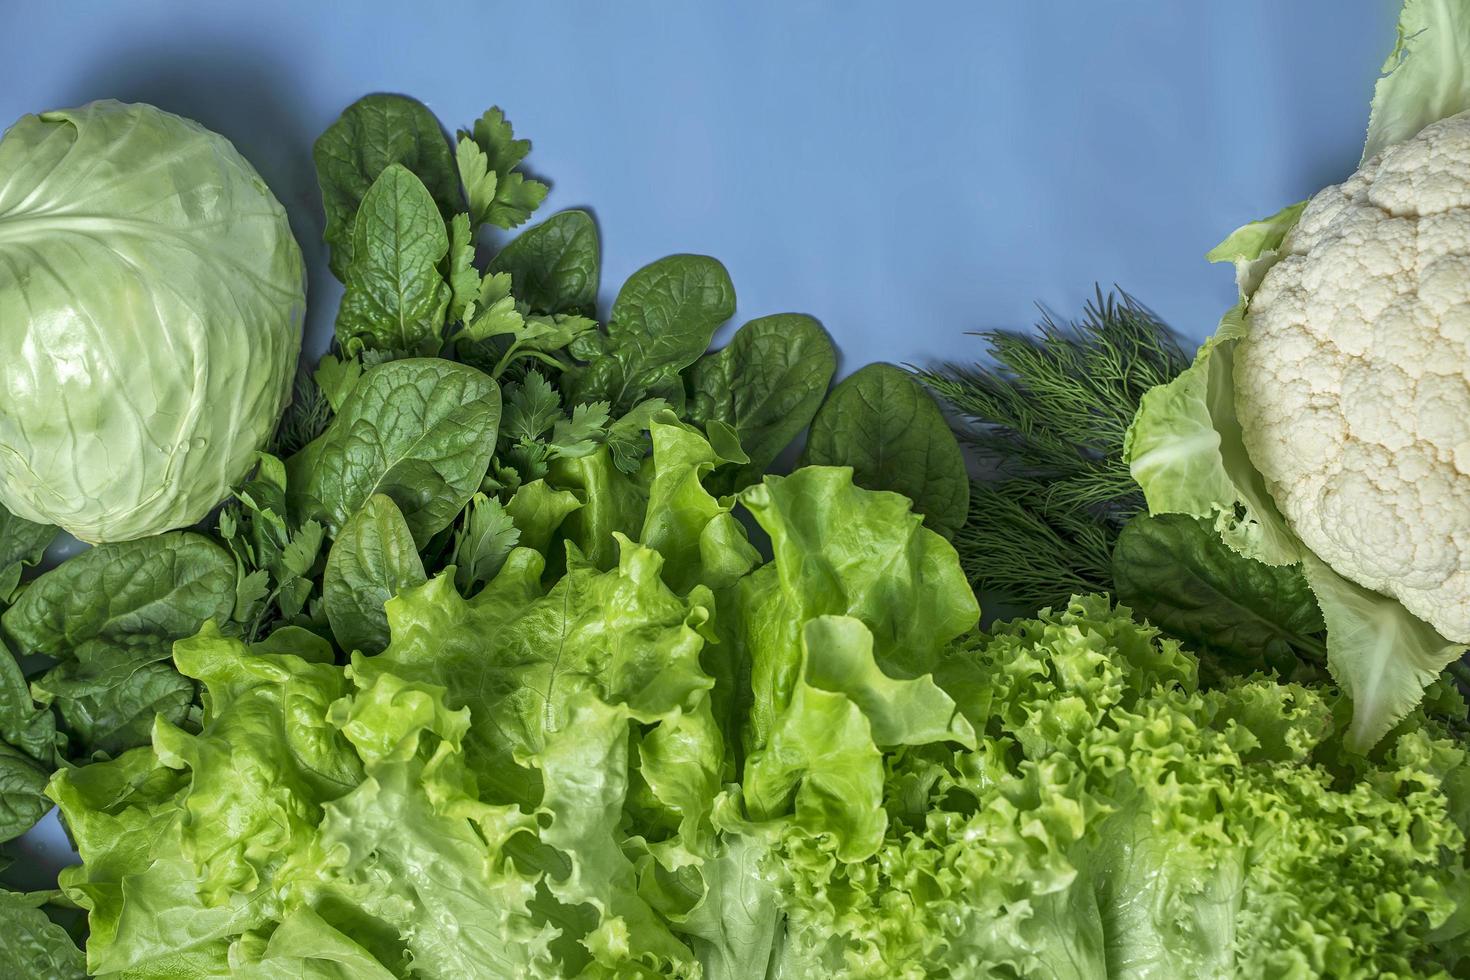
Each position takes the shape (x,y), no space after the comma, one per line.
(1352,384)
(1326,424)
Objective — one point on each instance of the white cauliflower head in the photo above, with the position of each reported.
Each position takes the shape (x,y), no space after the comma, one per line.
(1353,384)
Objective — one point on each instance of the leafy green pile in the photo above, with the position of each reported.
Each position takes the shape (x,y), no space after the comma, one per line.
(1114,820)
(466,408)
(525,782)
(513,658)
(694,763)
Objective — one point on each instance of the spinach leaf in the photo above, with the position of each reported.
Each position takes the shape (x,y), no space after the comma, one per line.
(21,543)
(108,707)
(1240,614)
(35,946)
(487,157)
(371,135)
(420,430)
(134,596)
(396,300)
(882,423)
(766,385)
(372,560)
(23,725)
(662,321)
(554,267)
(22,793)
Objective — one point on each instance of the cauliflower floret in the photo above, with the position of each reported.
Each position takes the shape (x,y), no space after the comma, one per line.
(1353,385)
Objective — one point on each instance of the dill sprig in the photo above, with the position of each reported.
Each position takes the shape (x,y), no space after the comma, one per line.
(304,419)
(1046,414)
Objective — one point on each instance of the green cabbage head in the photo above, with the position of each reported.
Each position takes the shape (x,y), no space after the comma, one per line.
(151,299)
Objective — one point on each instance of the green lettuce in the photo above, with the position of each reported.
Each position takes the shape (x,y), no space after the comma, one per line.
(685,762)
(524,782)
(1112,819)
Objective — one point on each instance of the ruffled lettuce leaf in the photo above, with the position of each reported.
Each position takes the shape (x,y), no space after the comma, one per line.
(843,551)
(1115,820)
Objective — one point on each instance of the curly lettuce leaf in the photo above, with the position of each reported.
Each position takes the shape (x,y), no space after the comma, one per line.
(316,823)
(305,947)
(702,541)
(1114,819)
(823,761)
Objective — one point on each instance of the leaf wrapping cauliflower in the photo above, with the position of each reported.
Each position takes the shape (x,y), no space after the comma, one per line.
(1353,382)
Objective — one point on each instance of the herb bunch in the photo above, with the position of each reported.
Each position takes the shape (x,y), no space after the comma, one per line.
(1046,415)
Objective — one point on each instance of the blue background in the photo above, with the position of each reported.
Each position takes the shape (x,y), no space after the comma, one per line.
(905,172)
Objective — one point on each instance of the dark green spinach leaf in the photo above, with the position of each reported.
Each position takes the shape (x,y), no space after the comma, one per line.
(396,300)
(554,267)
(766,385)
(33,945)
(22,794)
(420,430)
(662,321)
(134,596)
(23,724)
(372,560)
(371,135)
(108,707)
(882,423)
(21,543)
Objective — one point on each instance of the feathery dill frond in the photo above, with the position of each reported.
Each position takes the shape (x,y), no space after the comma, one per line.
(1047,413)
(305,418)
